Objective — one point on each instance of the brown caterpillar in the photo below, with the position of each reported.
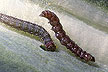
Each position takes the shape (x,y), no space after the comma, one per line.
(63,38)
(30,28)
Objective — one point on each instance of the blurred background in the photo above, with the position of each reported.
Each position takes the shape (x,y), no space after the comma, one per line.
(85,21)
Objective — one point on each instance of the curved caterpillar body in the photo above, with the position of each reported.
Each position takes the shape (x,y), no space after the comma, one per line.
(30,28)
(63,38)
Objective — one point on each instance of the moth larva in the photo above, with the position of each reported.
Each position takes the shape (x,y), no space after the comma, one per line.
(30,28)
(63,38)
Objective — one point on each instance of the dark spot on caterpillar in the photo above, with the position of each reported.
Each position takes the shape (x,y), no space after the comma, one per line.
(30,28)
(63,38)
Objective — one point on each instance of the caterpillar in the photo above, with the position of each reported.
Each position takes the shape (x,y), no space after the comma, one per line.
(30,28)
(63,38)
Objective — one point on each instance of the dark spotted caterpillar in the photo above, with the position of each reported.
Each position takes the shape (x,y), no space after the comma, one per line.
(63,38)
(30,28)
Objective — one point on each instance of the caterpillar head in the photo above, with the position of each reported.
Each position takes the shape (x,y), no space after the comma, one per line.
(50,46)
(53,19)
(47,14)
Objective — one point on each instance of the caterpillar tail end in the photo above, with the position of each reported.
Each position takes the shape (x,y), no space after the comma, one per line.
(93,59)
